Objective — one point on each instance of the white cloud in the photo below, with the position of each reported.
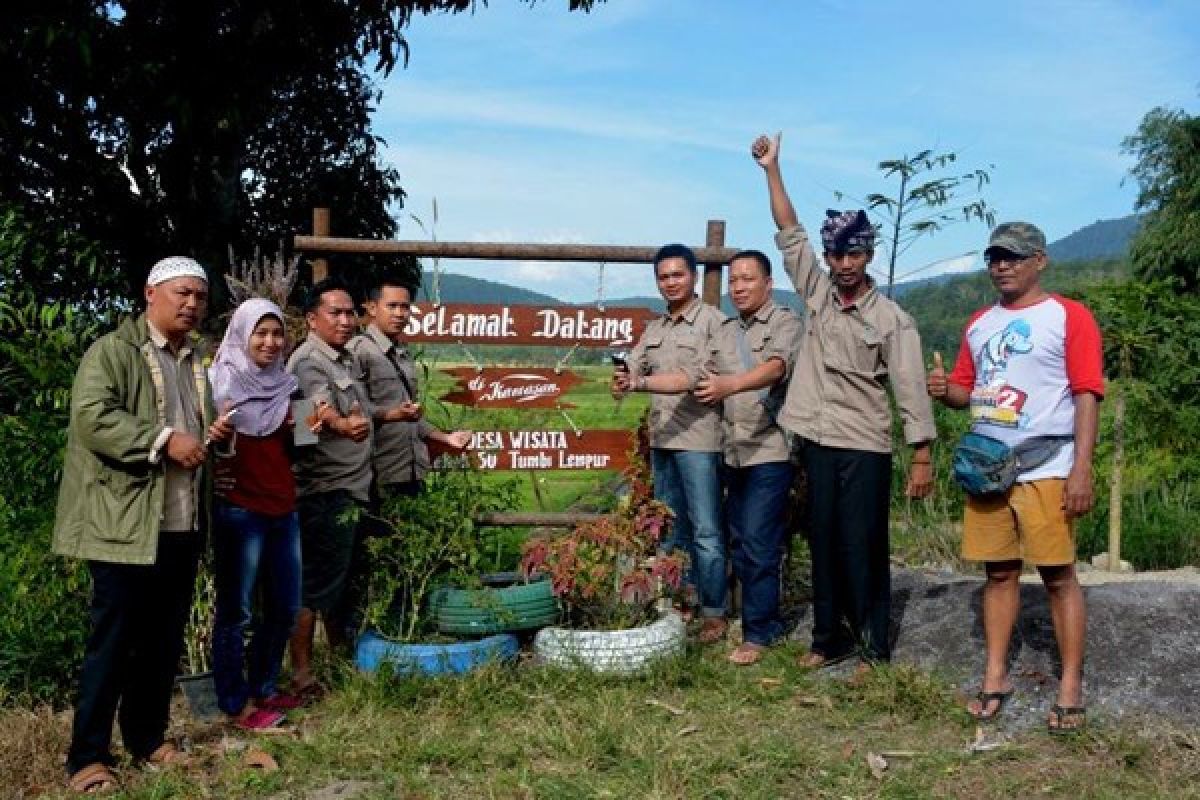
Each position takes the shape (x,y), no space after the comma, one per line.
(530,124)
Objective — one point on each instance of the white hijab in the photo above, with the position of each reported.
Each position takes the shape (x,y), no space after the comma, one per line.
(261,395)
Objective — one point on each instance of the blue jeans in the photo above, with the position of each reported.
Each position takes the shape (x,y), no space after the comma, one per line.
(245,546)
(689,482)
(756,509)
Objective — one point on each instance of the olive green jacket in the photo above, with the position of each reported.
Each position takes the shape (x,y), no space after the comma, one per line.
(110,502)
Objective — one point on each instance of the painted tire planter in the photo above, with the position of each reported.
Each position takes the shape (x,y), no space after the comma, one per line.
(612,651)
(373,650)
(502,604)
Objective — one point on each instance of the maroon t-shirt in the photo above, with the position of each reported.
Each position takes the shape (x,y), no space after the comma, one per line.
(262,473)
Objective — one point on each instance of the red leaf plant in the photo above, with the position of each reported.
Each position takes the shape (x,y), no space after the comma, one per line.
(608,572)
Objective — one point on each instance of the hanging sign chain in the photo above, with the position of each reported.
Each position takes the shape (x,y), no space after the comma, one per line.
(562,362)
(571,422)
(600,287)
(470,356)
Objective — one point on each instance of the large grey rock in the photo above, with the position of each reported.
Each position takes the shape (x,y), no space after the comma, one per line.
(1143,643)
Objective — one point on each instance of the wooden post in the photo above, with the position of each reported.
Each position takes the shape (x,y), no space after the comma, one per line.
(1114,484)
(320,266)
(714,237)
(1118,463)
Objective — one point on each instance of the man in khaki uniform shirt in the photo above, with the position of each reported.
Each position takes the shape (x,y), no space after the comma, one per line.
(401,457)
(856,344)
(333,476)
(754,353)
(685,434)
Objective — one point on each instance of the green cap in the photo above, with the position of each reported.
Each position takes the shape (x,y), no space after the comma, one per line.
(1019,238)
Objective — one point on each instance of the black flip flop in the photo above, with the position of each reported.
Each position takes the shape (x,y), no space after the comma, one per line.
(987,698)
(1057,713)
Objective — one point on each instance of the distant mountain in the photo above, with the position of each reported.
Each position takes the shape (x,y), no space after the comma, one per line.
(1105,238)
(465,289)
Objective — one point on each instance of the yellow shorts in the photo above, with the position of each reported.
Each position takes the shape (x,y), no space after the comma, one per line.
(1027,523)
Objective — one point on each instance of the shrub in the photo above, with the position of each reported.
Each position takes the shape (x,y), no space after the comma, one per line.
(44,597)
(607,572)
(1159,531)
(428,541)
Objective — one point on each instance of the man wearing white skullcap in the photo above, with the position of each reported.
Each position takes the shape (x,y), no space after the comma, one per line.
(131,504)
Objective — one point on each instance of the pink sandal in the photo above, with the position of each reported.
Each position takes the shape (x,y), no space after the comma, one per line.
(260,719)
(280,701)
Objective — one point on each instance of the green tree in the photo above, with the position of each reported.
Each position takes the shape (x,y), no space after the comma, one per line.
(155,126)
(931,196)
(1167,147)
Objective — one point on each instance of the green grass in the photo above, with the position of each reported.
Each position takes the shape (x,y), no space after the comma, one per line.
(694,728)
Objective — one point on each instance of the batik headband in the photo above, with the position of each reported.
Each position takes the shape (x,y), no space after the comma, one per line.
(844,231)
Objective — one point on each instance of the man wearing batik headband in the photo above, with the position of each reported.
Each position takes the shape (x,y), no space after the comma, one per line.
(856,344)
(131,505)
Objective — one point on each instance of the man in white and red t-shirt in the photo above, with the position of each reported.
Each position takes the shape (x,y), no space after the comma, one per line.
(1029,367)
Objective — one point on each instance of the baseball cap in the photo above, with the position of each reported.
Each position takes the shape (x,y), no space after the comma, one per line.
(1019,238)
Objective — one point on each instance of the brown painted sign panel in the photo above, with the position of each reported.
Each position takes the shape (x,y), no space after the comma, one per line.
(542,449)
(480,323)
(511,387)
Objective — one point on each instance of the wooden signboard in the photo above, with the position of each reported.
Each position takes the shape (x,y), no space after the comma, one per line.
(510,387)
(543,449)
(524,325)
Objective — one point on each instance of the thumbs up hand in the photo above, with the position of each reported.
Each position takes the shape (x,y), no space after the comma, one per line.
(935,383)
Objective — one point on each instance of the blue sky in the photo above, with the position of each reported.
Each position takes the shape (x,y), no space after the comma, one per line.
(631,124)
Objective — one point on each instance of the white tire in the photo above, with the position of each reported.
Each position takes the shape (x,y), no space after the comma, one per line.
(611,651)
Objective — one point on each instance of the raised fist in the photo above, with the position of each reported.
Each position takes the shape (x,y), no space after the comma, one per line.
(766,149)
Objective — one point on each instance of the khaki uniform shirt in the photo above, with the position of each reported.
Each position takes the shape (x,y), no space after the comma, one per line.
(334,462)
(391,379)
(848,357)
(751,434)
(181,496)
(673,344)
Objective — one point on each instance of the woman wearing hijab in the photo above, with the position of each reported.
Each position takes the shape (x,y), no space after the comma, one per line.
(255,531)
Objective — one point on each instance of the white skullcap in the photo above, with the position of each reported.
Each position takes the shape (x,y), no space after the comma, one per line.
(175,267)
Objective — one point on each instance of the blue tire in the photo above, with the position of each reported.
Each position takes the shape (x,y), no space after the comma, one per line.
(373,650)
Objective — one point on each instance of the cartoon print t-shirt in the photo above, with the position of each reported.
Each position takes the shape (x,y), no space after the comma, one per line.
(1023,368)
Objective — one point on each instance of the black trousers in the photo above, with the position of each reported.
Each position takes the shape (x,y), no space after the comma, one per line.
(848,496)
(138,615)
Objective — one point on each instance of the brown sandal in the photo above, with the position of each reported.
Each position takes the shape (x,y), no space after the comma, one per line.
(168,755)
(813,660)
(746,654)
(712,631)
(93,779)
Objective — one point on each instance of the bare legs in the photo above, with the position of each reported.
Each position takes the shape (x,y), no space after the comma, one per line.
(1001,604)
(1070,626)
